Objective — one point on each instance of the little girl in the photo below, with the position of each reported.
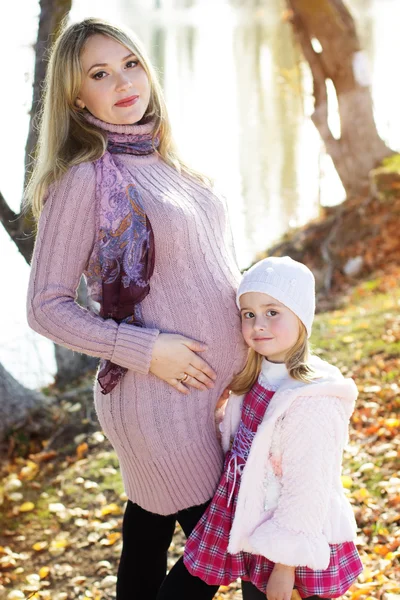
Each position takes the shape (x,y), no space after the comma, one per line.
(279,518)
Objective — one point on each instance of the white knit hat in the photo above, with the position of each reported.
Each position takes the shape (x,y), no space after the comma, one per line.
(286,280)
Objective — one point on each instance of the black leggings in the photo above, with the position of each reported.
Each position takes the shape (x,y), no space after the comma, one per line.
(143,565)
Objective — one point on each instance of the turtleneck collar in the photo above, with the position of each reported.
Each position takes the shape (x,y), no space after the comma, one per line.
(110,128)
(273,374)
(133,144)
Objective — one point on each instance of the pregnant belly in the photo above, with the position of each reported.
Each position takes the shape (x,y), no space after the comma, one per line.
(147,414)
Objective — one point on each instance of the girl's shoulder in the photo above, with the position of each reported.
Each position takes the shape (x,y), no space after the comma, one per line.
(328,390)
(323,369)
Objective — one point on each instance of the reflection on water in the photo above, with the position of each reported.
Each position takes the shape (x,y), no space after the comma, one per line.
(233,97)
(232,82)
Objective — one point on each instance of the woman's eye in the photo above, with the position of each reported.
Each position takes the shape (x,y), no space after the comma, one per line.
(132,63)
(99,75)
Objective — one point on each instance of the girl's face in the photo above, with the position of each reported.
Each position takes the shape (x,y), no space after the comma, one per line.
(269,327)
(115,87)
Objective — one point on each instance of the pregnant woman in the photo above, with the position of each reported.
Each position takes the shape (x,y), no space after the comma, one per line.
(116,203)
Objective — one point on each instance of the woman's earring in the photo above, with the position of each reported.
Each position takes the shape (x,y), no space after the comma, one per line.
(79,103)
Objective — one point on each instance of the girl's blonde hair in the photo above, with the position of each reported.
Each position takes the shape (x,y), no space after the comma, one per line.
(296,364)
(66,138)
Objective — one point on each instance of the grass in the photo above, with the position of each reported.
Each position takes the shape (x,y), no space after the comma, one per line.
(362,339)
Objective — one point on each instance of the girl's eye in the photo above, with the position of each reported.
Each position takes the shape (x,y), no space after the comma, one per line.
(272,313)
(99,75)
(248,315)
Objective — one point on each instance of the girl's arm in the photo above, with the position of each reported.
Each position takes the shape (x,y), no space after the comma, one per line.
(312,437)
(231,420)
(281,583)
(66,234)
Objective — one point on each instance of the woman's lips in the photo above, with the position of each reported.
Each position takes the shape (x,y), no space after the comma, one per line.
(262,339)
(127,101)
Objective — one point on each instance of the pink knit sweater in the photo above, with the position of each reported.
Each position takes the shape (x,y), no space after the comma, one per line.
(166,442)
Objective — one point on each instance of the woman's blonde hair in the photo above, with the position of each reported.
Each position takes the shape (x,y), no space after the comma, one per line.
(296,364)
(66,138)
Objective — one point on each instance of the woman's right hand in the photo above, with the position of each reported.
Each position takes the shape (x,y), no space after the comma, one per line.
(174,356)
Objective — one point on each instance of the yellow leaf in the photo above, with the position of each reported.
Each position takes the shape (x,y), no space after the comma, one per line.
(82,450)
(40,546)
(381,550)
(361,494)
(111,539)
(367,575)
(359,593)
(59,543)
(43,572)
(392,422)
(111,509)
(26,507)
(29,472)
(347,481)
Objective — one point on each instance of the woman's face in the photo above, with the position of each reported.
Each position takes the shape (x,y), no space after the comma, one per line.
(115,87)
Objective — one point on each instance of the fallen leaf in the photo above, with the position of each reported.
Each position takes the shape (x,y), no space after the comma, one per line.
(43,572)
(111,509)
(111,539)
(82,450)
(38,546)
(26,507)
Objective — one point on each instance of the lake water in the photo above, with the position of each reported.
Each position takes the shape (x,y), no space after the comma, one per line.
(239,102)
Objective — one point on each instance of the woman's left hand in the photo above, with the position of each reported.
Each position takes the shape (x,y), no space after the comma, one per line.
(280,583)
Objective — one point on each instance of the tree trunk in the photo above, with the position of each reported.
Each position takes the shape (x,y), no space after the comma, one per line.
(327,35)
(17,403)
(20,227)
(52,12)
(70,365)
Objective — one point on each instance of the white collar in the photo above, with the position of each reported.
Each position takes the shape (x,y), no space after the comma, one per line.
(273,374)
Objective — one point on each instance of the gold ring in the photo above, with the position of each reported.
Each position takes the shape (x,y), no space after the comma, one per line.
(183,379)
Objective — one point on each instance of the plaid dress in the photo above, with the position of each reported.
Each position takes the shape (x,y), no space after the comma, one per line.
(206,554)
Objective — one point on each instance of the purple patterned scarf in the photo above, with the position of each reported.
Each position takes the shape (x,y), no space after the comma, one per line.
(122,261)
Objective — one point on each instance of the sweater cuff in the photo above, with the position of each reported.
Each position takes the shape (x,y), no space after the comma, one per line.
(133,347)
(295,549)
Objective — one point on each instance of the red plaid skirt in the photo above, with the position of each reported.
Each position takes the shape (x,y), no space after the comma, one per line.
(206,554)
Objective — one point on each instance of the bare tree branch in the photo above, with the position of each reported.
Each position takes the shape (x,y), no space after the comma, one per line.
(12,224)
(8,217)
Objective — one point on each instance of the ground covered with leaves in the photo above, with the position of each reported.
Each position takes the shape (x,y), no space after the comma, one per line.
(62,508)
(62,498)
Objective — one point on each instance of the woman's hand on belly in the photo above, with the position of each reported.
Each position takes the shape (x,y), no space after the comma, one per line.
(175,356)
